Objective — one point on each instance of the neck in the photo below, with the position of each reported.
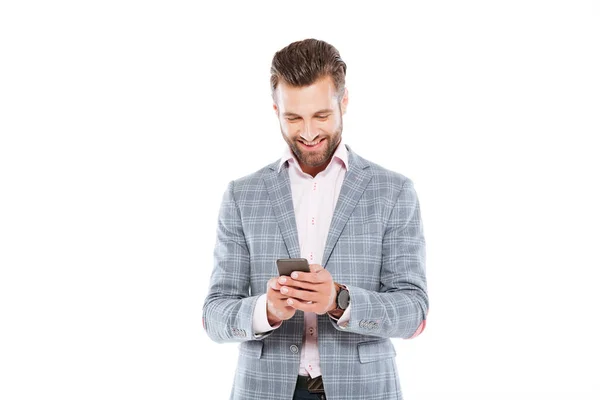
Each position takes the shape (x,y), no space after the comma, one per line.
(313,171)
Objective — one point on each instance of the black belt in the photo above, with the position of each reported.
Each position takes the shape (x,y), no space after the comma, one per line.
(313,385)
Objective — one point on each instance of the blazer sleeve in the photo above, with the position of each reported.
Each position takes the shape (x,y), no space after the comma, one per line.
(228,309)
(400,307)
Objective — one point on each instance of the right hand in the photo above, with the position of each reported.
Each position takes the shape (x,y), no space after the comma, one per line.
(277,308)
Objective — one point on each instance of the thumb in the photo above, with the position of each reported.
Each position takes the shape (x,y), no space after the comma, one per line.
(315,267)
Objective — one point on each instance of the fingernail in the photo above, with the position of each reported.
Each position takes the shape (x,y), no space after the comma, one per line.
(282,280)
(284,290)
(290,301)
(294,275)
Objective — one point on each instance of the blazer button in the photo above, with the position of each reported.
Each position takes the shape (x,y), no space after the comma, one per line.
(294,348)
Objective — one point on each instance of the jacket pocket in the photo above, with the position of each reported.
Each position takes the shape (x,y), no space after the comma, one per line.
(251,348)
(375,350)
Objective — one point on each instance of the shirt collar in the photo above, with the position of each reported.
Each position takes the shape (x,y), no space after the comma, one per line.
(340,153)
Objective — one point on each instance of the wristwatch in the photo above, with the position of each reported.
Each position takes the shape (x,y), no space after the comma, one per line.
(343,298)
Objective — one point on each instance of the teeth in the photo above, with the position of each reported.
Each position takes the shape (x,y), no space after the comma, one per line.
(311,143)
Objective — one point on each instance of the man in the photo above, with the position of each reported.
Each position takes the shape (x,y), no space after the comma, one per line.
(324,333)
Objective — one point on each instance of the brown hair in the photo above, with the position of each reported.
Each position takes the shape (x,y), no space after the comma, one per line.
(304,62)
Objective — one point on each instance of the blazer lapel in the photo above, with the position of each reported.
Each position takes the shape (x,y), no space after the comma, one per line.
(355,182)
(280,193)
(278,186)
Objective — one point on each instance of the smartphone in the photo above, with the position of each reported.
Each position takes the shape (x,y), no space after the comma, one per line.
(287,265)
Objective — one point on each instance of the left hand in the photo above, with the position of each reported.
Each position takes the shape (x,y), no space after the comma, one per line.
(316,286)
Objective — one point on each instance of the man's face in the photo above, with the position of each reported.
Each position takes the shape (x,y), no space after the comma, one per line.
(308,115)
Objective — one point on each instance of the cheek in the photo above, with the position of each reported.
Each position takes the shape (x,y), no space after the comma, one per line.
(291,129)
(329,126)
(332,123)
(285,128)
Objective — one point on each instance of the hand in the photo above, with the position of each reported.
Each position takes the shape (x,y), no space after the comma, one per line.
(277,308)
(313,291)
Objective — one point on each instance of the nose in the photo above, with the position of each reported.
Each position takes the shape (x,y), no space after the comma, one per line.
(309,133)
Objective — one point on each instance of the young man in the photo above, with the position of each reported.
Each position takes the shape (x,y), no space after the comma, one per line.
(324,333)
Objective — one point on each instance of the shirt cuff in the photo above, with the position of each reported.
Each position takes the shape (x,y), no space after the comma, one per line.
(345,317)
(260,322)
(343,321)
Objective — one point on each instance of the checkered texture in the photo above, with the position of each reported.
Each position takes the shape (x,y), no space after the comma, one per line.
(375,246)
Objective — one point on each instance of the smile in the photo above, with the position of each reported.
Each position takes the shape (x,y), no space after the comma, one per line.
(312,145)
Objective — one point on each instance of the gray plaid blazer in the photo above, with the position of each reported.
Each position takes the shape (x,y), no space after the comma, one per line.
(375,246)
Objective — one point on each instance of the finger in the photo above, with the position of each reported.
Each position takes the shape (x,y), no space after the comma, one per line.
(299,293)
(310,277)
(277,295)
(276,282)
(284,279)
(300,305)
(298,284)
(273,284)
(279,304)
(318,289)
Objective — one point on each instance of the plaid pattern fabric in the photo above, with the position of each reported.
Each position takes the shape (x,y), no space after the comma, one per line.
(375,247)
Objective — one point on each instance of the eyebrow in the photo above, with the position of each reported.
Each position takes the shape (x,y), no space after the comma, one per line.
(323,111)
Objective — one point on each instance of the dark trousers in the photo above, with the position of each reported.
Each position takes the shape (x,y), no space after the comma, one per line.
(304,394)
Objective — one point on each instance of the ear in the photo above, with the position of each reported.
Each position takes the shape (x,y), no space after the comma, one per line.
(276,109)
(344,101)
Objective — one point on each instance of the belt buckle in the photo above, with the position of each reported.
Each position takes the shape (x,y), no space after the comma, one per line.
(315,385)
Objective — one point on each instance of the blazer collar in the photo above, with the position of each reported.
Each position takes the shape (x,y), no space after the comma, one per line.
(277,183)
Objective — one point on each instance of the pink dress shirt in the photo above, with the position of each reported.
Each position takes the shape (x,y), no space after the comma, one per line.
(314,202)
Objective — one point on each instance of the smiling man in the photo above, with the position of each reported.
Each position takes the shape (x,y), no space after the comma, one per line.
(323,334)
(311,121)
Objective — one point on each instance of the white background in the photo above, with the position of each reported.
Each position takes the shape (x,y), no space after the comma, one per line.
(121,123)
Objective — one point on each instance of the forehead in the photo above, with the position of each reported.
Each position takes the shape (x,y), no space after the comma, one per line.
(306,99)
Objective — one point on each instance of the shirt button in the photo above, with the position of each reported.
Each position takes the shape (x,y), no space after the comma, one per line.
(311,330)
(294,348)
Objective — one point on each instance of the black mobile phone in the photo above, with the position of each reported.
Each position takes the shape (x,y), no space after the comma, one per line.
(287,265)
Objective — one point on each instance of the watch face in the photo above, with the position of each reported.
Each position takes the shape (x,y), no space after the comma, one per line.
(343,299)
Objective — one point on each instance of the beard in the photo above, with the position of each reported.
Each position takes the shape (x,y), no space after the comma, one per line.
(320,157)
